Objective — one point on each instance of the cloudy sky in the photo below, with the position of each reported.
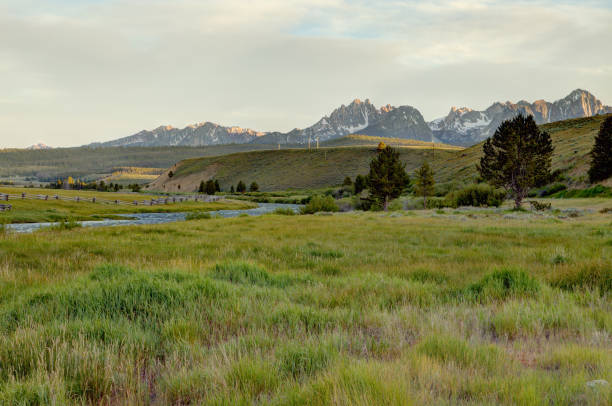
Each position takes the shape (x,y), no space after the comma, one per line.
(77,71)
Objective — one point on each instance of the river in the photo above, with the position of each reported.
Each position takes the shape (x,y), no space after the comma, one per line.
(157,218)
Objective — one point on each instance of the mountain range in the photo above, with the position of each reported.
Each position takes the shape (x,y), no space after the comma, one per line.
(462,126)
(39,145)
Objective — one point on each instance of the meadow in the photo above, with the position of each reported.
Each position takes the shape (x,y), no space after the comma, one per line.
(439,307)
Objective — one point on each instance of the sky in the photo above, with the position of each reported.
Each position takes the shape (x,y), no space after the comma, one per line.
(78,71)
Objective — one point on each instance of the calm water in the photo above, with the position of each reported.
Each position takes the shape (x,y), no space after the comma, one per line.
(158,218)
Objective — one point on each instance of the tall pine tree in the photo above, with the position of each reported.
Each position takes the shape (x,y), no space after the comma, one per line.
(387,178)
(601,154)
(517,157)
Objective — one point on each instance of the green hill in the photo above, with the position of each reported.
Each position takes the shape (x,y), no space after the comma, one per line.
(285,169)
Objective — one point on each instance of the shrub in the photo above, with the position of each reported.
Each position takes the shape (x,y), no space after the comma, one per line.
(198,216)
(320,203)
(66,225)
(476,195)
(502,284)
(595,191)
(593,277)
(552,189)
(285,211)
(539,206)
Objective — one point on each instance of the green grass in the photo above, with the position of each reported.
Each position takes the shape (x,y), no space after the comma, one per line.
(34,211)
(287,169)
(348,309)
(354,140)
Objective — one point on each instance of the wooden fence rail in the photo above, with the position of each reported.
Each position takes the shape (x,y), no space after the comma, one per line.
(149,202)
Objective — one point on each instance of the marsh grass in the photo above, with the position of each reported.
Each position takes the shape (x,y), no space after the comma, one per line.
(352,309)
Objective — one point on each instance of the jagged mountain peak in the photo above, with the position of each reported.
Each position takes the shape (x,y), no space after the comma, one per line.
(473,126)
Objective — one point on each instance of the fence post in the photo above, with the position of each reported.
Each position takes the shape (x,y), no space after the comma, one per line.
(46,197)
(93,199)
(23,195)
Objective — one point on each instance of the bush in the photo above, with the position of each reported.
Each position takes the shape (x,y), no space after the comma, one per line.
(320,203)
(66,225)
(595,191)
(599,277)
(476,195)
(539,206)
(198,216)
(502,284)
(549,190)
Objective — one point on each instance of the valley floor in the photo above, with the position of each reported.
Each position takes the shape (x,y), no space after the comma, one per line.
(447,307)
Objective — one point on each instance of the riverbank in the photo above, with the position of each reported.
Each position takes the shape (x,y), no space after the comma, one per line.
(139,219)
(45,211)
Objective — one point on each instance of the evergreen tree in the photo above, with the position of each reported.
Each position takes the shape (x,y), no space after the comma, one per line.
(232,189)
(254,187)
(241,188)
(202,187)
(217,186)
(517,157)
(424,182)
(210,187)
(360,184)
(601,154)
(387,178)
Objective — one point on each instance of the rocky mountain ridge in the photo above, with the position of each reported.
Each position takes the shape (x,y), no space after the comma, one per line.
(462,126)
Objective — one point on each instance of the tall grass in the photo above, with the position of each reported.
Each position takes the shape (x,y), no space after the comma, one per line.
(358,308)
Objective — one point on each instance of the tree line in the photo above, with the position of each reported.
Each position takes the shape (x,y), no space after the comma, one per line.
(212,186)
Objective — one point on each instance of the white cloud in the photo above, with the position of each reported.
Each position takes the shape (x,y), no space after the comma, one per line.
(104,69)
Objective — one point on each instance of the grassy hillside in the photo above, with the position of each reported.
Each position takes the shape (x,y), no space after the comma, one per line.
(93,163)
(353,309)
(358,140)
(572,139)
(285,169)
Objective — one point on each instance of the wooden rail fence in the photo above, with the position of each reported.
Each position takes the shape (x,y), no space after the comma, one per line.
(148,202)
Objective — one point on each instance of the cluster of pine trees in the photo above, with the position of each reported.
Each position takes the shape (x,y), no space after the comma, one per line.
(210,187)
